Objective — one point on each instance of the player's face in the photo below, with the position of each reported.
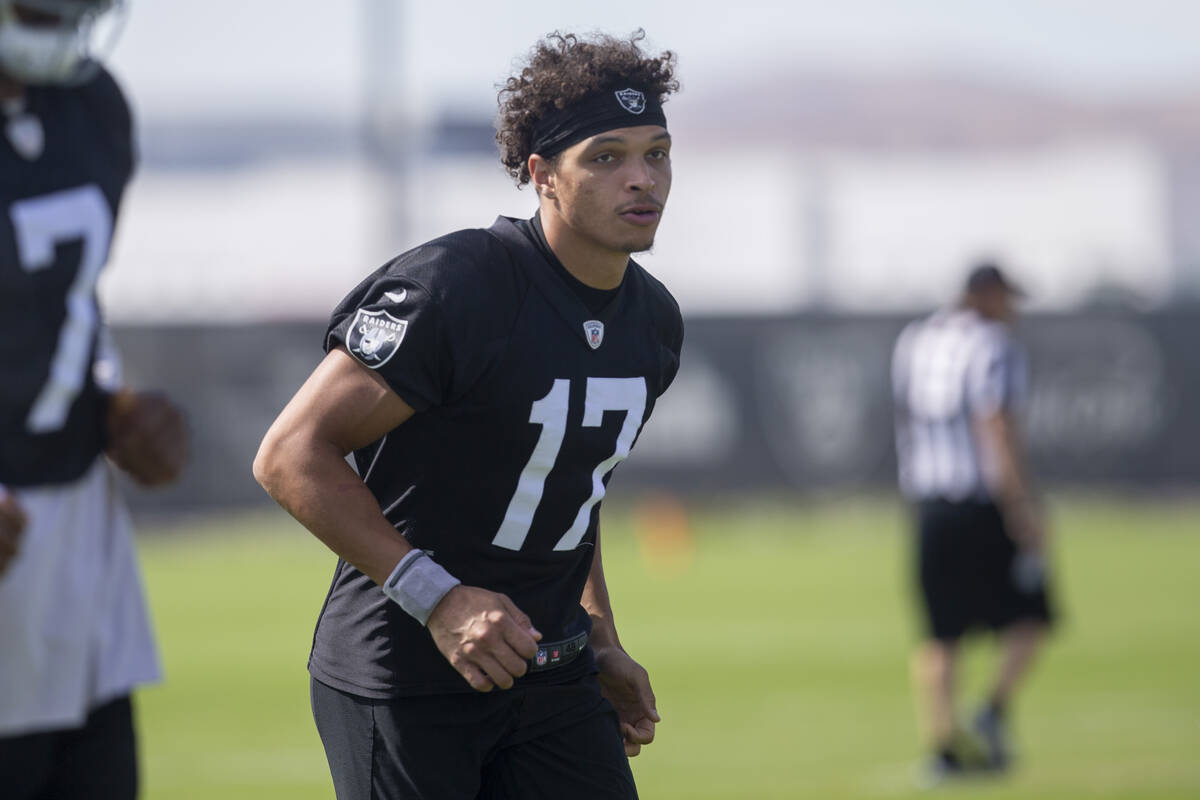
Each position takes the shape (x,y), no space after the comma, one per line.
(998,303)
(611,189)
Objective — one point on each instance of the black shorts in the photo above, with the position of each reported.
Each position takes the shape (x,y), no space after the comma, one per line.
(97,761)
(536,742)
(965,571)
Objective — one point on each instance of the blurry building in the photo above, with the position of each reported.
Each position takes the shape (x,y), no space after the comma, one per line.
(813,193)
(811,217)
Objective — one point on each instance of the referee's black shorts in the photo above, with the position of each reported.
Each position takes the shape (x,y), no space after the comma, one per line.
(535,742)
(965,571)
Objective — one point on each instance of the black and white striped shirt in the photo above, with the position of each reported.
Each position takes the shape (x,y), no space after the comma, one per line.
(948,370)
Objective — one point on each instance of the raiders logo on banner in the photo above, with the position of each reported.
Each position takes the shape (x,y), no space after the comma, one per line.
(631,100)
(374,337)
(594,329)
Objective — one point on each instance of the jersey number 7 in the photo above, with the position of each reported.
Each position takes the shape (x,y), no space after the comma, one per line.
(603,394)
(41,224)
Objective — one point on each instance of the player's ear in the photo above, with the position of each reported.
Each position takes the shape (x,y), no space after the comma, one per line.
(541,175)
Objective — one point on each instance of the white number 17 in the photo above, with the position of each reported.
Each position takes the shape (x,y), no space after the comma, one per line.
(603,394)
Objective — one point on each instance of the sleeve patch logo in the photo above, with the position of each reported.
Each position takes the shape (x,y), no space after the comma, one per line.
(375,336)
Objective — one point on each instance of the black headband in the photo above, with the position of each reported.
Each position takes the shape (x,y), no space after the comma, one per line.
(598,112)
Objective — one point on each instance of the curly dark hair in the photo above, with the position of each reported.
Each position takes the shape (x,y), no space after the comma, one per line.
(562,69)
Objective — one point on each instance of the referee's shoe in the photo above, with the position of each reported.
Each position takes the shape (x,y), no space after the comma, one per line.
(971,753)
(990,726)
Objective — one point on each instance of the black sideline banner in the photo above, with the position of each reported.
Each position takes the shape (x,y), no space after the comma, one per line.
(797,403)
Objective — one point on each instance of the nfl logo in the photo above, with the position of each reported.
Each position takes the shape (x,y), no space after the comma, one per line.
(594,329)
(540,660)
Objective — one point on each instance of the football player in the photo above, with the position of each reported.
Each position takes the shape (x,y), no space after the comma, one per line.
(488,383)
(74,636)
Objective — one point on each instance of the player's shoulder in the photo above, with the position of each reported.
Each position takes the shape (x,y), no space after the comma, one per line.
(904,340)
(459,275)
(992,332)
(106,112)
(664,308)
(660,296)
(988,339)
(462,260)
(107,102)
(938,322)
(914,327)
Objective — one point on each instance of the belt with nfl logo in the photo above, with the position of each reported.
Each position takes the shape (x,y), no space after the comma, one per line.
(556,654)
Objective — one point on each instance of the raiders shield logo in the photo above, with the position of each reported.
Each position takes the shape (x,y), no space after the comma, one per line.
(631,100)
(375,336)
(594,329)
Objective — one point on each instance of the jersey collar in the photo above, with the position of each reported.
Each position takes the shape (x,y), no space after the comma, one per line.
(562,297)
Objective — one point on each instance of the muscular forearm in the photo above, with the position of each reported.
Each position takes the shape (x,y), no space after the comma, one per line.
(301,462)
(313,482)
(622,680)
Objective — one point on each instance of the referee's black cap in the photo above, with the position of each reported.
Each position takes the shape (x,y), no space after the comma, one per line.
(986,275)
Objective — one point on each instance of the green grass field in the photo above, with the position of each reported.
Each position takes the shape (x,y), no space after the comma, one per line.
(777,641)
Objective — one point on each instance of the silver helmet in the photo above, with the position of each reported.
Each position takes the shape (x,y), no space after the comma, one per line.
(56,41)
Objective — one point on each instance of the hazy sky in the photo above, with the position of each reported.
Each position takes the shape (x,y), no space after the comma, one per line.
(201,56)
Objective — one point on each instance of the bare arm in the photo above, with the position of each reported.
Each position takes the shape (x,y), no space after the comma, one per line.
(12,525)
(623,681)
(595,601)
(1001,440)
(301,463)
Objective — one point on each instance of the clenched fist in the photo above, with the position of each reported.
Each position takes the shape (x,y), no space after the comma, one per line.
(146,436)
(486,638)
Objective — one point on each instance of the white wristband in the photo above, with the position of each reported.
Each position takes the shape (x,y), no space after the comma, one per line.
(418,584)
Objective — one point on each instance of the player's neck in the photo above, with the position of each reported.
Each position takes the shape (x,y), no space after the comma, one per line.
(592,264)
(10,89)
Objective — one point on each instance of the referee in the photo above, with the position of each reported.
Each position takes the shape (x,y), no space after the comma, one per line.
(958,379)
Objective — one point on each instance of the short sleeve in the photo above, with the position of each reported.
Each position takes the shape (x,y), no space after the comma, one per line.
(667,321)
(672,350)
(391,324)
(996,376)
(421,320)
(112,116)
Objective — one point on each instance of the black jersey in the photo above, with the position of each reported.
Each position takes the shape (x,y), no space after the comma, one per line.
(56,221)
(526,403)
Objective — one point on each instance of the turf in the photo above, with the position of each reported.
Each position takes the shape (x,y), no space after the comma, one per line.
(777,637)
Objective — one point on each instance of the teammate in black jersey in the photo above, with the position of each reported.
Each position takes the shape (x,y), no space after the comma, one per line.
(74,635)
(488,383)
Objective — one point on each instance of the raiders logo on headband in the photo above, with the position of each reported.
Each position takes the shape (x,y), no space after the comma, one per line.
(631,100)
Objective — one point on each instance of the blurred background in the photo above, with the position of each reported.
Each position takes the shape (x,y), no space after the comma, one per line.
(838,167)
